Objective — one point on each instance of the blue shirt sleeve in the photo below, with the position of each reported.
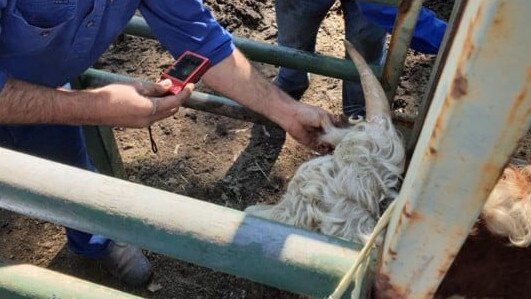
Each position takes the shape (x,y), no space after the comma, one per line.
(429,30)
(187,25)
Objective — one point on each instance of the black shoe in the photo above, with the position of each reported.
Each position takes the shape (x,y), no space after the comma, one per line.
(128,264)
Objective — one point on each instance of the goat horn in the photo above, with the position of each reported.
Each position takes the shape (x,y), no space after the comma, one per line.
(376,103)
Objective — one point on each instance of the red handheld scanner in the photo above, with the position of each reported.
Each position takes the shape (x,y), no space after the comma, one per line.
(188,68)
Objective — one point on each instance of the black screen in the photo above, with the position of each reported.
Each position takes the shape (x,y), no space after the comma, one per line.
(184,67)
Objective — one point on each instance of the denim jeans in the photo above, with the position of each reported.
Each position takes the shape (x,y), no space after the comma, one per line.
(63,144)
(298,22)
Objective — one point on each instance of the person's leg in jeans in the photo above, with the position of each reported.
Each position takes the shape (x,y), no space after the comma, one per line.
(298,22)
(369,40)
(66,144)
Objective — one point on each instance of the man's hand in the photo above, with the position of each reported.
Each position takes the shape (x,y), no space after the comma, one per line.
(306,124)
(139,104)
(126,105)
(237,79)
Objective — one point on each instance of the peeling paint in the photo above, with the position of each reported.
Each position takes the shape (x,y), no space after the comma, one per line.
(474,123)
(460,86)
(412,216)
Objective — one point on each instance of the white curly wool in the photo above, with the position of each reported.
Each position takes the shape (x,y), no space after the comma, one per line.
(339,194)
(507,211)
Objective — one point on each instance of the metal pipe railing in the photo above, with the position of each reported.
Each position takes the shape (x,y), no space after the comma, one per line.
(403,28)
(187,229)
(276,55)
(206,102)
(198,100)
(28,281)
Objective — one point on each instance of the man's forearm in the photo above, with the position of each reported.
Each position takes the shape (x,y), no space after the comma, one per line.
(235,78)
(25,103)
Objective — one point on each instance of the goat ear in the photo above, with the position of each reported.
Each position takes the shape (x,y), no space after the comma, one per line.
(376,103)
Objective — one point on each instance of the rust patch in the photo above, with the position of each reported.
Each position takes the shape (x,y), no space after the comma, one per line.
(412,216)
(441,273)
(501,23)
(432,147)
(405,6)
(443,269)
(490,168)
(385,289)
(519,100)
(460,85)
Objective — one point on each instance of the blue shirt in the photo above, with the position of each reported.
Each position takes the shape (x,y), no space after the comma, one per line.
(50,42)
(429,30)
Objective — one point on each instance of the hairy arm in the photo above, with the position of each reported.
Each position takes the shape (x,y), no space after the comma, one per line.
(237,79)
(114,105)
(25,103)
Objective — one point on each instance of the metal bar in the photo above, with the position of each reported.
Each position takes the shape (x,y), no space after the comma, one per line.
(211,103)
(435,76)
(472,127)
(217,237)
(102,146)
(28,281)
(276,55)
(405,22)
(103,150)
(198,100)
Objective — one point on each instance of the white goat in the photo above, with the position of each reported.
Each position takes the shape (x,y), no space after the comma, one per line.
(340,194)
(507,211)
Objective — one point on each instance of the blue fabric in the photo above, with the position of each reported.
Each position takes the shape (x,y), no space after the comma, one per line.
(51,42)
(365,27)
(429,30)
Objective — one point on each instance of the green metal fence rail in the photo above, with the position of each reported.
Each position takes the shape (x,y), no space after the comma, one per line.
(201,101)
(275,55)
(177,226)
(198,100)
(28,281)
(400,40)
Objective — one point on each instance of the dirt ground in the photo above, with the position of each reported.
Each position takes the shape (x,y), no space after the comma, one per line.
(214,158)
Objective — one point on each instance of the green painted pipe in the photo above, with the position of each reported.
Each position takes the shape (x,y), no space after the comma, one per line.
(217,237)
(28,281)
(403,28)
(207,102)
(276,55)
(198,100)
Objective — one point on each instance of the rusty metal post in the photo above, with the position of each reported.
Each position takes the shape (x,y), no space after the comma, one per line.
(453,26)
(481,108)
(405,22)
